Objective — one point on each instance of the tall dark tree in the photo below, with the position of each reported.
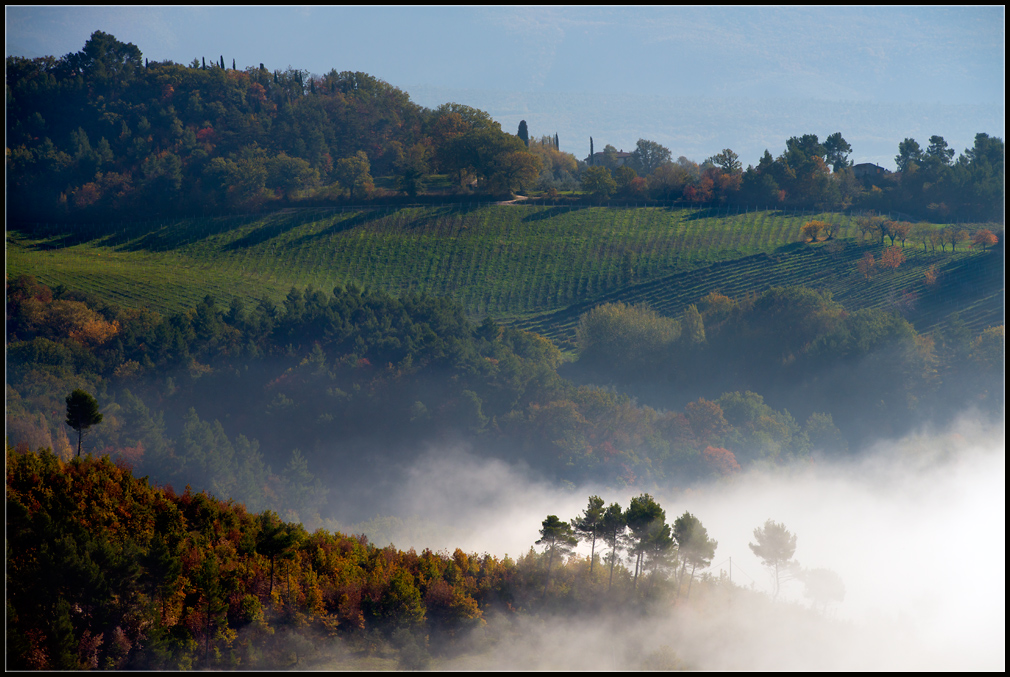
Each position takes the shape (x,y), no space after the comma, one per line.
(589,526)
(837,152)
(557,538)
(612,532)
(727,161)
(648,155)
(645,519)
(939,151)
(908,152)
(524,133)
(557,144)
(275,539)
(591,152)
(82,413)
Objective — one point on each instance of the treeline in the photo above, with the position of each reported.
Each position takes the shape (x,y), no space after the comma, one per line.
(815,174)
(268,405)
(103,131)
(801,349)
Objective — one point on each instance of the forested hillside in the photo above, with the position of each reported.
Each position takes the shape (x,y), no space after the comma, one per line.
(107,571)
(104,133)
(241,303)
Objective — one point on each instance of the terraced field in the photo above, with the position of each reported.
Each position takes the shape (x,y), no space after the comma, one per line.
(535,266)
(970,283)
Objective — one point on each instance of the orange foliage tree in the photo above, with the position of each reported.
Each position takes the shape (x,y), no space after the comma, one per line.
(984,238)
(866,265)
(722,461)
(892,258)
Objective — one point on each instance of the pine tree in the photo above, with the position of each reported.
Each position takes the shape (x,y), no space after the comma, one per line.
(82,413)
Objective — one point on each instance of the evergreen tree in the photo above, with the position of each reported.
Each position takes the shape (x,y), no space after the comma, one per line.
(557,538)
(524,133)
(589,526)
(82,413)
(612,530)
(694,547)
(775,546)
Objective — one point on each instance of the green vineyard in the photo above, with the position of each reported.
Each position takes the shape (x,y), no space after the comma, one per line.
(535,266)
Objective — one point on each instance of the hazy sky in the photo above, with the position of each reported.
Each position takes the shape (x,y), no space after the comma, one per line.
(947,56)
(927,54)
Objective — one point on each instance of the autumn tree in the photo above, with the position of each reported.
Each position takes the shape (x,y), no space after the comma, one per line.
(984,238)
(921,232)
(589,526)
(692,326)
(871,224)
(892,258)
(694,547)
(866,265)
(811,229)
(899,230)
(722,461)
(557,538)
(82,413)
(955,235)
(775,547)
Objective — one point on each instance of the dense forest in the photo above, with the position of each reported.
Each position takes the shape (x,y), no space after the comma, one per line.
(219,398)
(106,571)
(105,132)
(174,480)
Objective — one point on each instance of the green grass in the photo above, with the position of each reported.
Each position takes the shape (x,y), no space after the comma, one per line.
(537,266)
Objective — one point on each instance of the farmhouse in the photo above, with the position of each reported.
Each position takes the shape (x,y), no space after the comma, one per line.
(620,157)
(868,169)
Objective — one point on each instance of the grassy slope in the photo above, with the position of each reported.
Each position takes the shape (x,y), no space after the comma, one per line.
(536,266)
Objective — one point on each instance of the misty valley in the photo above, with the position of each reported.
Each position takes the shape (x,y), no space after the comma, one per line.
(301,375)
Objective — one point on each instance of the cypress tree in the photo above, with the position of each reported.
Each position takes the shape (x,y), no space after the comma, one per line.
(233,65)
(557,144)
(222,62)
(590,150)
(524,133)
(204,59)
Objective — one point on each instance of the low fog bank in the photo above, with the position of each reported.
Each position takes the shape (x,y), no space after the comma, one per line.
(914,527)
